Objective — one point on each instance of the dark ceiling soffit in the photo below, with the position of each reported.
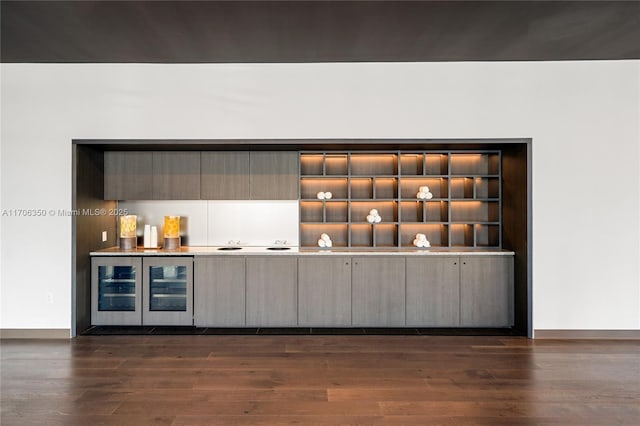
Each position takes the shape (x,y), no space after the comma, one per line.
(316,31)
(296,144)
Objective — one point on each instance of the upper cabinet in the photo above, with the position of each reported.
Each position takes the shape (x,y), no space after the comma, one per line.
(195,175)
(224,175)
(176,175)
(146,175)
(273,175)
(128,175)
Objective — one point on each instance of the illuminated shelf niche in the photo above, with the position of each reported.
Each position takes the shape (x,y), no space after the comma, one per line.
(463,209)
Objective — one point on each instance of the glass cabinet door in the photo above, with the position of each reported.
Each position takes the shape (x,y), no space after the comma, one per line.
(168,288)
(116,288)
(116,291)
(168,291)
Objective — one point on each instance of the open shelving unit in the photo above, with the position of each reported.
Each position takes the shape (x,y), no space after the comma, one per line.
(464,211)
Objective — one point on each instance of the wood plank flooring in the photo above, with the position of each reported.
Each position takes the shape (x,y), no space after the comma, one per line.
(263,379)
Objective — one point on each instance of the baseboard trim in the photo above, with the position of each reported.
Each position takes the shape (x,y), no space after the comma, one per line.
(35,333)
(588,334)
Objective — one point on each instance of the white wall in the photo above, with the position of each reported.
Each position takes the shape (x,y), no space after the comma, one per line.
(583,118)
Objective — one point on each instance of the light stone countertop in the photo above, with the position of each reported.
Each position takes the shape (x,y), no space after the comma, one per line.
(336,251)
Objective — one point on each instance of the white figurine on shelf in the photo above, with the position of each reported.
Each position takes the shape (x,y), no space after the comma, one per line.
(424,193)
(374,216)
(421,241)
(325,241)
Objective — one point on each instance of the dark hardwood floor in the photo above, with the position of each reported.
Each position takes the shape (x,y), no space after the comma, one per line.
(264,379)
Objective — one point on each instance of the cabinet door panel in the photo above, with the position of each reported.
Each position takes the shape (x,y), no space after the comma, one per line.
(128,175)
(224,176)
(176,175)
(433,291)
(486,291)
(272,298)
(219,291)
(167,291)
(116,291)
(324,291)
(378,291)
(274,175)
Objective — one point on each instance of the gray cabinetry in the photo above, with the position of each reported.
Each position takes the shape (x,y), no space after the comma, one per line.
(224,175)
(316,290)
(433,291)
(116,290)
(128,175)
(324,291)
(167,291)
(219,291)
(272,283)
(194,175)
(273,175)
(486,291)
(378,291)
(176,175)
(164,175)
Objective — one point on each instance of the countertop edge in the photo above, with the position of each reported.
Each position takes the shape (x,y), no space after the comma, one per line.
(296,251)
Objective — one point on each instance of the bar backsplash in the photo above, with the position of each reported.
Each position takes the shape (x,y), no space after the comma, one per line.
(217,223)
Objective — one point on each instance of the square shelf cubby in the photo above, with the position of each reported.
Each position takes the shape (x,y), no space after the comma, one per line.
(385,235)
(385,188)
(336,211)
(412,211)
(475,211)
(361,235)
(410,186)
(374,164)
(361,188)
(310,187)
(437,234)
(461,235)
(311,164)
(436,164)
(310,234)
(411,164)
(424,211)
(487,187)
(475,163)
(336,164)
(311,211)
(424,164)
(462,188)
(388,210)
(487,235)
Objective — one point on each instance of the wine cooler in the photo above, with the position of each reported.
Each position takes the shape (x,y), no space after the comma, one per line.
(137,291)
(167,291)
(116,291)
